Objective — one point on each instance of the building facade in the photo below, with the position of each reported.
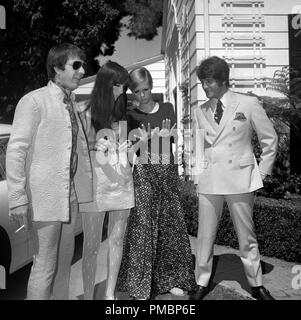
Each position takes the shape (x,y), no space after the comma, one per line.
(251,35)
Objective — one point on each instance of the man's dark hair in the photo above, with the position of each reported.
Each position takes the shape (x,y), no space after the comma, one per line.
(215,68)
(59,55)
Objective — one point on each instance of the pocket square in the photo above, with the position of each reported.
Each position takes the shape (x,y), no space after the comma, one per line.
(240,116)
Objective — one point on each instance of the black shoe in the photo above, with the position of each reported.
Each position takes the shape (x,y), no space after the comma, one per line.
(261,293)
(199,293)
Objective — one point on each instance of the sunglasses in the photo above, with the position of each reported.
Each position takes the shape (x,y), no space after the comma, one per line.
(77,65)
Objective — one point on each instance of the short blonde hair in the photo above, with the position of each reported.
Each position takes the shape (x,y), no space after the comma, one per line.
(139,75)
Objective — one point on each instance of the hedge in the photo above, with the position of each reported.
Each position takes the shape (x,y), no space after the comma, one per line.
(277,224)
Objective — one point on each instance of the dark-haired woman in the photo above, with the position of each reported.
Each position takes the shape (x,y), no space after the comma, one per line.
(113,183)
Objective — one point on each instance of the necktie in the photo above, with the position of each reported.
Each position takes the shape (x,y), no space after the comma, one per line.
(218,112)
(74,126)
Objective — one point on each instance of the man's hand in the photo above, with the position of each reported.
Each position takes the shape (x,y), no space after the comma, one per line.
(263,176)
(20,216)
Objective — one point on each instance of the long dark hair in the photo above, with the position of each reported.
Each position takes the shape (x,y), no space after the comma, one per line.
(104,109)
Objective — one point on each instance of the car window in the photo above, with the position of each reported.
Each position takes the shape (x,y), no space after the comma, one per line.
(3,146)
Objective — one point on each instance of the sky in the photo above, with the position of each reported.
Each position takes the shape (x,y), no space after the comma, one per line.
(128,50)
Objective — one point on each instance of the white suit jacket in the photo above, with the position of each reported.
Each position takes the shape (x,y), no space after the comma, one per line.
(225,160)
(38,156)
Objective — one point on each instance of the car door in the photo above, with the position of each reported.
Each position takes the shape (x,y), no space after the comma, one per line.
(21,248)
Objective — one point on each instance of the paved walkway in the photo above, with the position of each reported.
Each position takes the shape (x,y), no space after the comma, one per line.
(277,274)
(229,281)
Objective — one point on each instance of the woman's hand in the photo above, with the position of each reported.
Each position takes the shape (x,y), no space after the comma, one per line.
(124,146)
(102,145)
(145,135)
(166,131)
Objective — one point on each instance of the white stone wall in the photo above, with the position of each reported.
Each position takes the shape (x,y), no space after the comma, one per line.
(252,61)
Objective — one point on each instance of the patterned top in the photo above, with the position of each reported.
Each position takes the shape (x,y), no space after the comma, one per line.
(74,124)
(156,146)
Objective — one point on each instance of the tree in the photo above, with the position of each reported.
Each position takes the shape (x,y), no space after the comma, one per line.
(146,17)
(286,115)
(34,26)
(288,82)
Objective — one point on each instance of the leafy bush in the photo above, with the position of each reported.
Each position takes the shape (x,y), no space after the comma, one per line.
(277,224)
(190,204)
(281,182)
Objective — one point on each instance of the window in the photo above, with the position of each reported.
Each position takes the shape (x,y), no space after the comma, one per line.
(3,146)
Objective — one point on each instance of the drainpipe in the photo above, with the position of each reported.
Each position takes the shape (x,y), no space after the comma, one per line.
(206,27)
(179,110)
(179,95)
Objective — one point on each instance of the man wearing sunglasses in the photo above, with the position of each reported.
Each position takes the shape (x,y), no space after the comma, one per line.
(49,172)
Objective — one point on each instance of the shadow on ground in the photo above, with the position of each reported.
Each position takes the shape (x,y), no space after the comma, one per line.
(230,268)
(225,267)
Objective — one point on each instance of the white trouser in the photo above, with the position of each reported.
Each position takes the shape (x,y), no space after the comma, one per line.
(53,252)
(241,211)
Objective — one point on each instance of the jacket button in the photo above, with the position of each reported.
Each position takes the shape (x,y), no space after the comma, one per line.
(230,145)
(233,128)
(207,133)
(230,161)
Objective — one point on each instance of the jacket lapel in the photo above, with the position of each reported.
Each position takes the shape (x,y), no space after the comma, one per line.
(231,104)
(207,112)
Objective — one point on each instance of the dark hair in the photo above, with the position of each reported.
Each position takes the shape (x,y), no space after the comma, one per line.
(138,75)
(214,67)
(59,55)
(104,109)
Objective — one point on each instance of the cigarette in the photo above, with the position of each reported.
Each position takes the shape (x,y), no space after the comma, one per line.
(23,226)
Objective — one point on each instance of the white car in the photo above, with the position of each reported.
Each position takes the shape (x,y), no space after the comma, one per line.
(16,248)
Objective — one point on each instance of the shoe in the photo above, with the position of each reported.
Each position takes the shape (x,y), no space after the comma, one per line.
(110,298)
(199,293)
(177,291)
(261,293)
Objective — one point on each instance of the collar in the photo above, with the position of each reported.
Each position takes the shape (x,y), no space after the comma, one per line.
(58,91)
(225,99)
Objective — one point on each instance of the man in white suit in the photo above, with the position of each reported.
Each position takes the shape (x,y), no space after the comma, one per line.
(229,171)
